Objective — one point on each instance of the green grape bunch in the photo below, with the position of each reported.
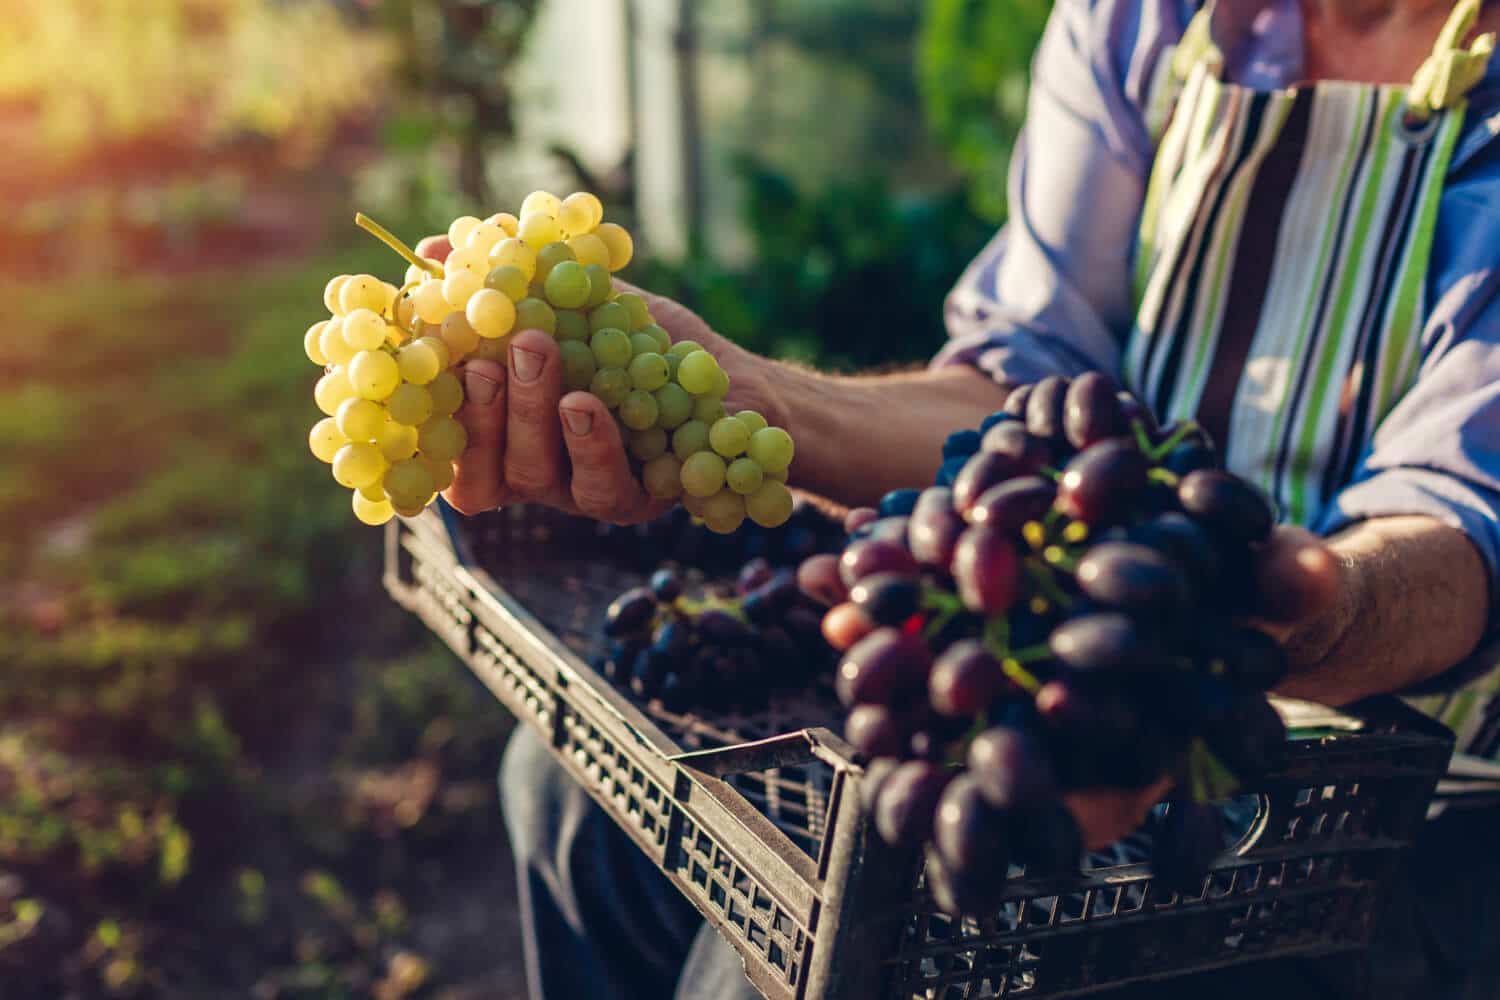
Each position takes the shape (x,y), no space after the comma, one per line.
(391,385)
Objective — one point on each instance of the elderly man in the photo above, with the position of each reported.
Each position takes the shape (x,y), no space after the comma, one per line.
(1277,217)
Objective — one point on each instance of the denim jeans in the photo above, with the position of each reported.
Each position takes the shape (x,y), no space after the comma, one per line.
(601,922)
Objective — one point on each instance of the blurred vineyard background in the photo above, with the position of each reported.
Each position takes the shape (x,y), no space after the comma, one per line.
(228,766)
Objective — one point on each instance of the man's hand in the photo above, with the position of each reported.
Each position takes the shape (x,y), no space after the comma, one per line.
(530,443)
(1299,584)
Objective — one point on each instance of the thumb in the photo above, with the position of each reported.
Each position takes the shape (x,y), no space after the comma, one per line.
(1297,578)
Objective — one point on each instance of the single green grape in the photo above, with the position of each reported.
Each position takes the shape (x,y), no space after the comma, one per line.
(410,405)
(708,410)
(357,464)
(442,473)
(580,212)
(442,438)
(312,343)
(662,477)
(372,512)
(447,394)
(534,314)
(656,333)
(648,444)
(541,201)
(360,419)
(640,312)
(642,344)
(683,348)
(492,314)
(744,476)
(364,330)
(325,439)
(439,348)
(611,348)
(617,240)
(362,291)
(539,229)
(609,316)
(578,365)
(721,384)
(331,293)
(333,346)
(397,441)
(600,284)
(703,474)
(332,389)
(771,505)
(409,483)
(754,421)
(568,286)
(611,385)
(689,439)
(674,406)
(572,325)
(772,448)
(549,257)
(638,410)
(649,372)
(374,374)
(697,373)
(509,280)
(420,361)
(458,335)
(724,512)
(728,437)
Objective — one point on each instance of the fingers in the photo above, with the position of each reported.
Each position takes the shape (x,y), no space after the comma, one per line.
(1107,814)
(603,487)
(533,440)
(478,484)
(436,247)
(1297,577)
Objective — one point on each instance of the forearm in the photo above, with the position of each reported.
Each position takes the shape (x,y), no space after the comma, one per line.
(861,436)
(1413,602)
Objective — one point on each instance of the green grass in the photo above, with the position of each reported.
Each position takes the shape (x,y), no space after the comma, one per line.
(197,664)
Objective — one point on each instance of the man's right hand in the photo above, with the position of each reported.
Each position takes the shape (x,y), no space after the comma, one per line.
(528,442)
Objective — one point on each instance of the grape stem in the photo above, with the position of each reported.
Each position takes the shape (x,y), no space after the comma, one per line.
(387,237)
(1058,556)
(1165,476)
(1208,778)
(1020,676)
(1181,434)
(1032,654)
(1142,439)
(1042,576)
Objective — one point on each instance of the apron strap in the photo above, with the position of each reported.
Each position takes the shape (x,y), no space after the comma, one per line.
(1452,70)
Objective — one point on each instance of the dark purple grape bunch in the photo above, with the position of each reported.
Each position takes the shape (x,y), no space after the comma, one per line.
(728,647)
(1063,610)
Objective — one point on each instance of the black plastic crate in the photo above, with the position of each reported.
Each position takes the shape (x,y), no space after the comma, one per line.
(756,817)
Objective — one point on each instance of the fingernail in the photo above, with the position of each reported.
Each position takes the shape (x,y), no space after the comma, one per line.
(579,423)
(528,364)
(479,388)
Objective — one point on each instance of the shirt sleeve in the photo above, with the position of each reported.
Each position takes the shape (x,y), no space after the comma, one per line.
(1051,292)
(1437,452)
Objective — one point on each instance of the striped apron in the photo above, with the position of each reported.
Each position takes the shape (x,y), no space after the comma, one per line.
(1281,262)
(1281,265)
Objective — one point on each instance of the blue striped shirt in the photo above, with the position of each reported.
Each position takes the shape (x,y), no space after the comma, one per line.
(1052,291)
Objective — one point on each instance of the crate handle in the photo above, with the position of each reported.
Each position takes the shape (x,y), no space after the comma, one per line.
(785,750)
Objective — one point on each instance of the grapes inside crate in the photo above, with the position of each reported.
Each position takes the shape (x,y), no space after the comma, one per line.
(765,834)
